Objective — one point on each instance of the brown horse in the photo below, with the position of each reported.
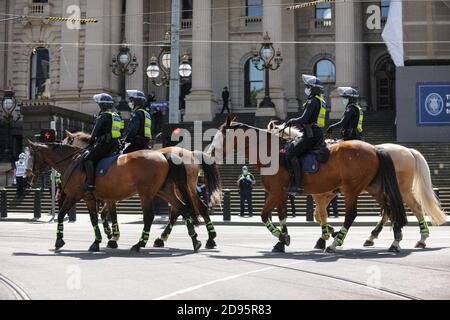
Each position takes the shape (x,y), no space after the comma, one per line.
(194,162)
(373,170)
(413,175)
(146,173)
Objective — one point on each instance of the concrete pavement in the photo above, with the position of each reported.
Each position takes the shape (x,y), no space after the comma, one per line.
(241,267)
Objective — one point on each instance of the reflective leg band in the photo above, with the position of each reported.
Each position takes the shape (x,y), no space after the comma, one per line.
(274,230)
(341,236)
(423,226)
(115,229)
(60,229)
(144,237)
(326,230)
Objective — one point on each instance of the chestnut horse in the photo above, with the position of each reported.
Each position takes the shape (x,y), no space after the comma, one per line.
(353,166)
(413,175)
(147,173)
(194,162)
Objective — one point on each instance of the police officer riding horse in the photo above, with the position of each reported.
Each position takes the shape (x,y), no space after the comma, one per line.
(311,123)
(104,138)
(139,131)
(353,116)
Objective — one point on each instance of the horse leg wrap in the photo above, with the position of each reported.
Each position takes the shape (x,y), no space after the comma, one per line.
(284,228)
(115,232)
(190,227)
(341,236)
(274,230)
(106,227)
(211,230)
(327,230)
(375,232)
(97,234)
(166,232)
(144,238)
(60,231)
(423,226)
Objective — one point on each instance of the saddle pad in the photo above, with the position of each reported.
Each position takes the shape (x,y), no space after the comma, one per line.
(103,165)
(310,163)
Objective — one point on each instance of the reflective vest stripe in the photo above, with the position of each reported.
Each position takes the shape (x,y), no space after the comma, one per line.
(322,113)
(117,125)
(147,124)
(361,118)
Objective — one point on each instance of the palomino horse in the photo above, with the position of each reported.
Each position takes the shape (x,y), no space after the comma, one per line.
(373,170)
(413,175)
(147,173)
(193,162)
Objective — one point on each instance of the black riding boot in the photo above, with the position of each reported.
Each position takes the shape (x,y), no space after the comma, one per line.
(90,176)
(296,177)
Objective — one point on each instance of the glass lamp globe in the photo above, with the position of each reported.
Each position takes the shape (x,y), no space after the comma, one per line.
(166,60)
(124,59)
(185,70)
(8,103)
(267,53)
(153,71)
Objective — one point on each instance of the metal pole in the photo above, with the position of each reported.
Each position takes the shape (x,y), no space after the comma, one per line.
(37,204)
(174,102)
(226,205)
(3,203)
(52,179)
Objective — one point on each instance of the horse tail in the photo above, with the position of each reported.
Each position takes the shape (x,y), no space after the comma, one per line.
(212,179)
(423,190)
(178,175)
(390,188)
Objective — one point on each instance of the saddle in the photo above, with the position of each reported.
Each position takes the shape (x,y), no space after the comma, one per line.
(310,162)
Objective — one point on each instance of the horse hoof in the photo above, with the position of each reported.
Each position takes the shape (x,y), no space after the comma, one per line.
(287,240)
(59,244)
(279,247)
(136,248)
(330,250)
(158,243)
(210,244)
(420,245)
(112,244)
(95,247)
(197,246)
(368,243)
(320,244)
(394,249)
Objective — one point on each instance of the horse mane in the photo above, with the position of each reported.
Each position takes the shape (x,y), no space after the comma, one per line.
(82,136)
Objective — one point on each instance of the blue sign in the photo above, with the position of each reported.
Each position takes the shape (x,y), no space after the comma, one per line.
(433,103)
(159,104)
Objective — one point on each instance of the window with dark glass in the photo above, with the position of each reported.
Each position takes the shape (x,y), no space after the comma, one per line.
(384,6)
(325,71)
(40,74)
(254,84)
(253,8)
(186,12)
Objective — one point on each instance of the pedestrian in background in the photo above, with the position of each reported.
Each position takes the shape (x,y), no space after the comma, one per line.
(20,172)
(246,182)
(225,99)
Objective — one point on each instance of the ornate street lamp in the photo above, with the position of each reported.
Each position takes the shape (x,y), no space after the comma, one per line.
(10,114)
(267,59)
(162,63)
(123,64)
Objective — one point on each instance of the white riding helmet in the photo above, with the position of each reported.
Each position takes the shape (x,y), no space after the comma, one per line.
(312,81)
(348,92)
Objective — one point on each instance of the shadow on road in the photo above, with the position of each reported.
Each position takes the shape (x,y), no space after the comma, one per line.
(111,253)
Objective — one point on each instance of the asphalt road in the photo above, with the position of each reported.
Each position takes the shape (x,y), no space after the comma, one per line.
(242,266)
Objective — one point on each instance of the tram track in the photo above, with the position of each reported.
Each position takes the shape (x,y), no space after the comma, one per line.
(17,291)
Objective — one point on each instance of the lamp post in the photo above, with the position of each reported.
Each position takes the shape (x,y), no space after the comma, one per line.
(269,59)
(124,64)
(10,114)
(162,63)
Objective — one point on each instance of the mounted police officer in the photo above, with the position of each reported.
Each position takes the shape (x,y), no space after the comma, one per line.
(352,118)
(104,138)
(139,131)
(311,123)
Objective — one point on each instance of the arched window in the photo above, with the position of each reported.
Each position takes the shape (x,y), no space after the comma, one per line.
(40,74)
(323,11)
(254,83)
(253,8)
(325,71)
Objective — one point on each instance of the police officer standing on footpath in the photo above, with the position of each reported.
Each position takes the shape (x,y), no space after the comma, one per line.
(246,182)
(352,118)
(139,131)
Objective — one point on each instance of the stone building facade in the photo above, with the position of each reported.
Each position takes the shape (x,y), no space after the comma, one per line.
(337,41)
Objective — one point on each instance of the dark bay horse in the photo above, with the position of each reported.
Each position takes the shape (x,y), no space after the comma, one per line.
(194,161)
(353,166)
(146,173)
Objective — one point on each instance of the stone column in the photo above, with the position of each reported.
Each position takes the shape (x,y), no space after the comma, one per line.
(272,24)
(349,55)
(134,36)
(201,104)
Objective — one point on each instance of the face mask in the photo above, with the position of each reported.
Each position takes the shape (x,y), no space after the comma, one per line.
(307,91)
(345,101)
(244,171)
(131,105)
